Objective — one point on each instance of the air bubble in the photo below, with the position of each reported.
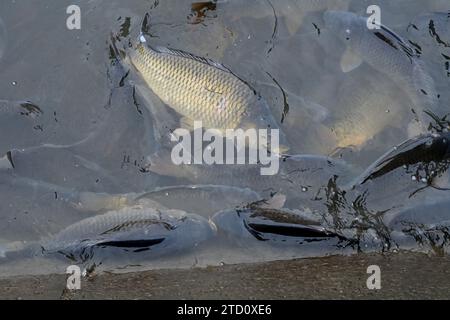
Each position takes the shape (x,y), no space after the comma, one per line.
(304,189)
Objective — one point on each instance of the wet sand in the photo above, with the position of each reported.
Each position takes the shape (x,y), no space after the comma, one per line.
(403,276)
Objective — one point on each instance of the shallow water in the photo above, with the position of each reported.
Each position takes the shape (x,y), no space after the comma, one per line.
(94,132)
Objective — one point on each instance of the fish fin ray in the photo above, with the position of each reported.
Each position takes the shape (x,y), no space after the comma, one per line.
(350,61)
(293,22)
(187,123)
(276,202)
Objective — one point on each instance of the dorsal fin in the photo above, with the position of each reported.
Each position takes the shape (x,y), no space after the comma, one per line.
(184,54)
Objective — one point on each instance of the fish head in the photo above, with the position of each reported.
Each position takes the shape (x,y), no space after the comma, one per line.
(126,50)
(346,25)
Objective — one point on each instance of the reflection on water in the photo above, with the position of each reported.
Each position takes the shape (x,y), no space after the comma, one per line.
(77,130)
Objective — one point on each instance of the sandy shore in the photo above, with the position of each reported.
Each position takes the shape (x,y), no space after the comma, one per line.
(403,276)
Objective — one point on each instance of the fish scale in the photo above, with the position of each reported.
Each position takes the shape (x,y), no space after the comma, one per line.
(389,54)
(195,89)
(129,223)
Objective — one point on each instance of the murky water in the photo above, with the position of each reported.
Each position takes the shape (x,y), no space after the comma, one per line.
(76,133)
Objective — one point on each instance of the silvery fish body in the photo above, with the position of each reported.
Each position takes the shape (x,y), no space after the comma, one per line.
(134,229)
(273,225)
(205,200)
(406,176)
(364,110)
(299,178)
(200,89)
(388,53)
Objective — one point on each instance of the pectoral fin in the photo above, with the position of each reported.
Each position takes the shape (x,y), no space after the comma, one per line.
(276,202)
(350,61)
(293,22)
(187,123)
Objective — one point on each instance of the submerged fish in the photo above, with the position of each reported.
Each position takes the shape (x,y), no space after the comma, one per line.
(299,178)
(200,89)
(292,11)
(365,106)
(382,209)
(205,200)
(388,53)
(407,175)
(70,169)
(131,229)
(264,222)
(92,164)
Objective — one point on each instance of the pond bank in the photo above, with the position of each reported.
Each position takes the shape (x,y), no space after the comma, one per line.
(403,276)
